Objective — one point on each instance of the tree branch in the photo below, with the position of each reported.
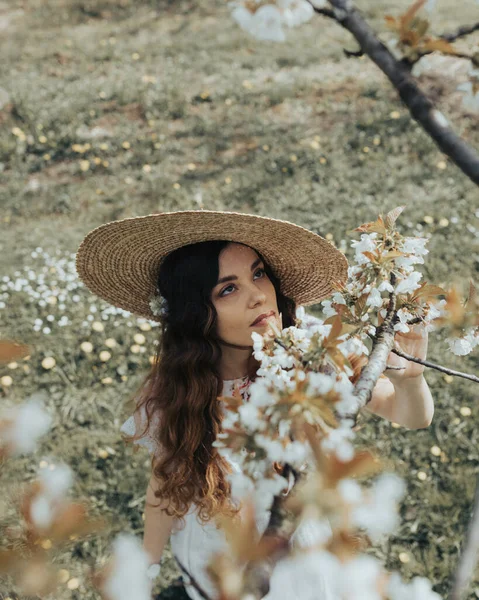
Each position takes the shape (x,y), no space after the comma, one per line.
(427,363)
(468,559)
(420,106)
(258,575)
(383,343)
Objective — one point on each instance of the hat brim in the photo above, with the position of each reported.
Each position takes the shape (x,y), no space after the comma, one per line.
(119,261)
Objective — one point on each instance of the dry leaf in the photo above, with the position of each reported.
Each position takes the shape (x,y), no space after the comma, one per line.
(11,350)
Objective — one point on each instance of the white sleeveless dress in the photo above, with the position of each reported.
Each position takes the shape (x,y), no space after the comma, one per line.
(195,543)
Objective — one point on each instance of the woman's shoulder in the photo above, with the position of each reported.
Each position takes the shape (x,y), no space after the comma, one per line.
(136,424)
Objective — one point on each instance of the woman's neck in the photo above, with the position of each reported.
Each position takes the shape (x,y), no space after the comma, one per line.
(234,361)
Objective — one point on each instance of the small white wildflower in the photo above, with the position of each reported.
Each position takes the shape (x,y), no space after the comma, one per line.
(158,305)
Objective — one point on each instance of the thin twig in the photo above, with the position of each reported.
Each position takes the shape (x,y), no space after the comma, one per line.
(326,12)
(461,32)
(353,53)
(427,363)
(468,559)
(409,62)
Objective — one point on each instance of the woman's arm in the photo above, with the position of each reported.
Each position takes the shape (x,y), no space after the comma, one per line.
(408,403)
(158,524)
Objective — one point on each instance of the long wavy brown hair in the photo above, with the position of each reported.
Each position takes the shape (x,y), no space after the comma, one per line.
(183,384)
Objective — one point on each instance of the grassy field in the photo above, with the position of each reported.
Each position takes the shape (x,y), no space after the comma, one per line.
(118,108)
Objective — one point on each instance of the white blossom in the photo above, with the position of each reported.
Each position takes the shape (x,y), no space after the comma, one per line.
(420,588)
(241,485)
(359,578)
(251,417)
(409,284)
(349,402)
(311,532)
(258,341)
(296,12)
(265,24)
(422,66)
(350,490)
(128,579)
(55,481)
(374,298)
(328,310)
(385,286)
(379,515)
(464,345)
(470,100)
(319,384)
(404,317)
(309,576)
(259,393)
(266,489)
(338,298)
(366,244)
(337,440)
(415,247)
(353,345)
(30,421)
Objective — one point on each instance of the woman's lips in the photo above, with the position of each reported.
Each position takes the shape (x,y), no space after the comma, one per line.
(264,321)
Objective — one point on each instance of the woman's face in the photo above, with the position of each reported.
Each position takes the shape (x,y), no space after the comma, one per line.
(242,299)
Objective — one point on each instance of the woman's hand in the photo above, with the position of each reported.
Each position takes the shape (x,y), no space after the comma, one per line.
(414,343)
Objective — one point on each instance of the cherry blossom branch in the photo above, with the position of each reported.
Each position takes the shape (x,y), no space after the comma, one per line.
(427,363)
(258,576)
(468,559)
(448,37)
(383,343)
(420,106)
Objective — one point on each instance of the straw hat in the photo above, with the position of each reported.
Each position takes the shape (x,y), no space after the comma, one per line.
(119,261)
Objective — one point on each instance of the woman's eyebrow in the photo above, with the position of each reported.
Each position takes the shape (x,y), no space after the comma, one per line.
(233,277)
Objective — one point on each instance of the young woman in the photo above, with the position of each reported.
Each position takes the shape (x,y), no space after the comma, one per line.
(221,276)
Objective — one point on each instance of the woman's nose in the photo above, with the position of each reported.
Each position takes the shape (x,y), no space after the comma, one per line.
(258,297)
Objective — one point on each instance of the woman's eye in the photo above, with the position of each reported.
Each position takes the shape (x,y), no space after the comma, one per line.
(232,285)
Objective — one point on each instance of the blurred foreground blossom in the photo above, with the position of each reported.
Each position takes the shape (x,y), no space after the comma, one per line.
(418,589)
(470,100)
(126,577)
(379,514)
(464,345)
(55,481)
(265,21)
(22,426)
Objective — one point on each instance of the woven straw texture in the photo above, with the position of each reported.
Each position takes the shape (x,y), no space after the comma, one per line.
(119,261)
